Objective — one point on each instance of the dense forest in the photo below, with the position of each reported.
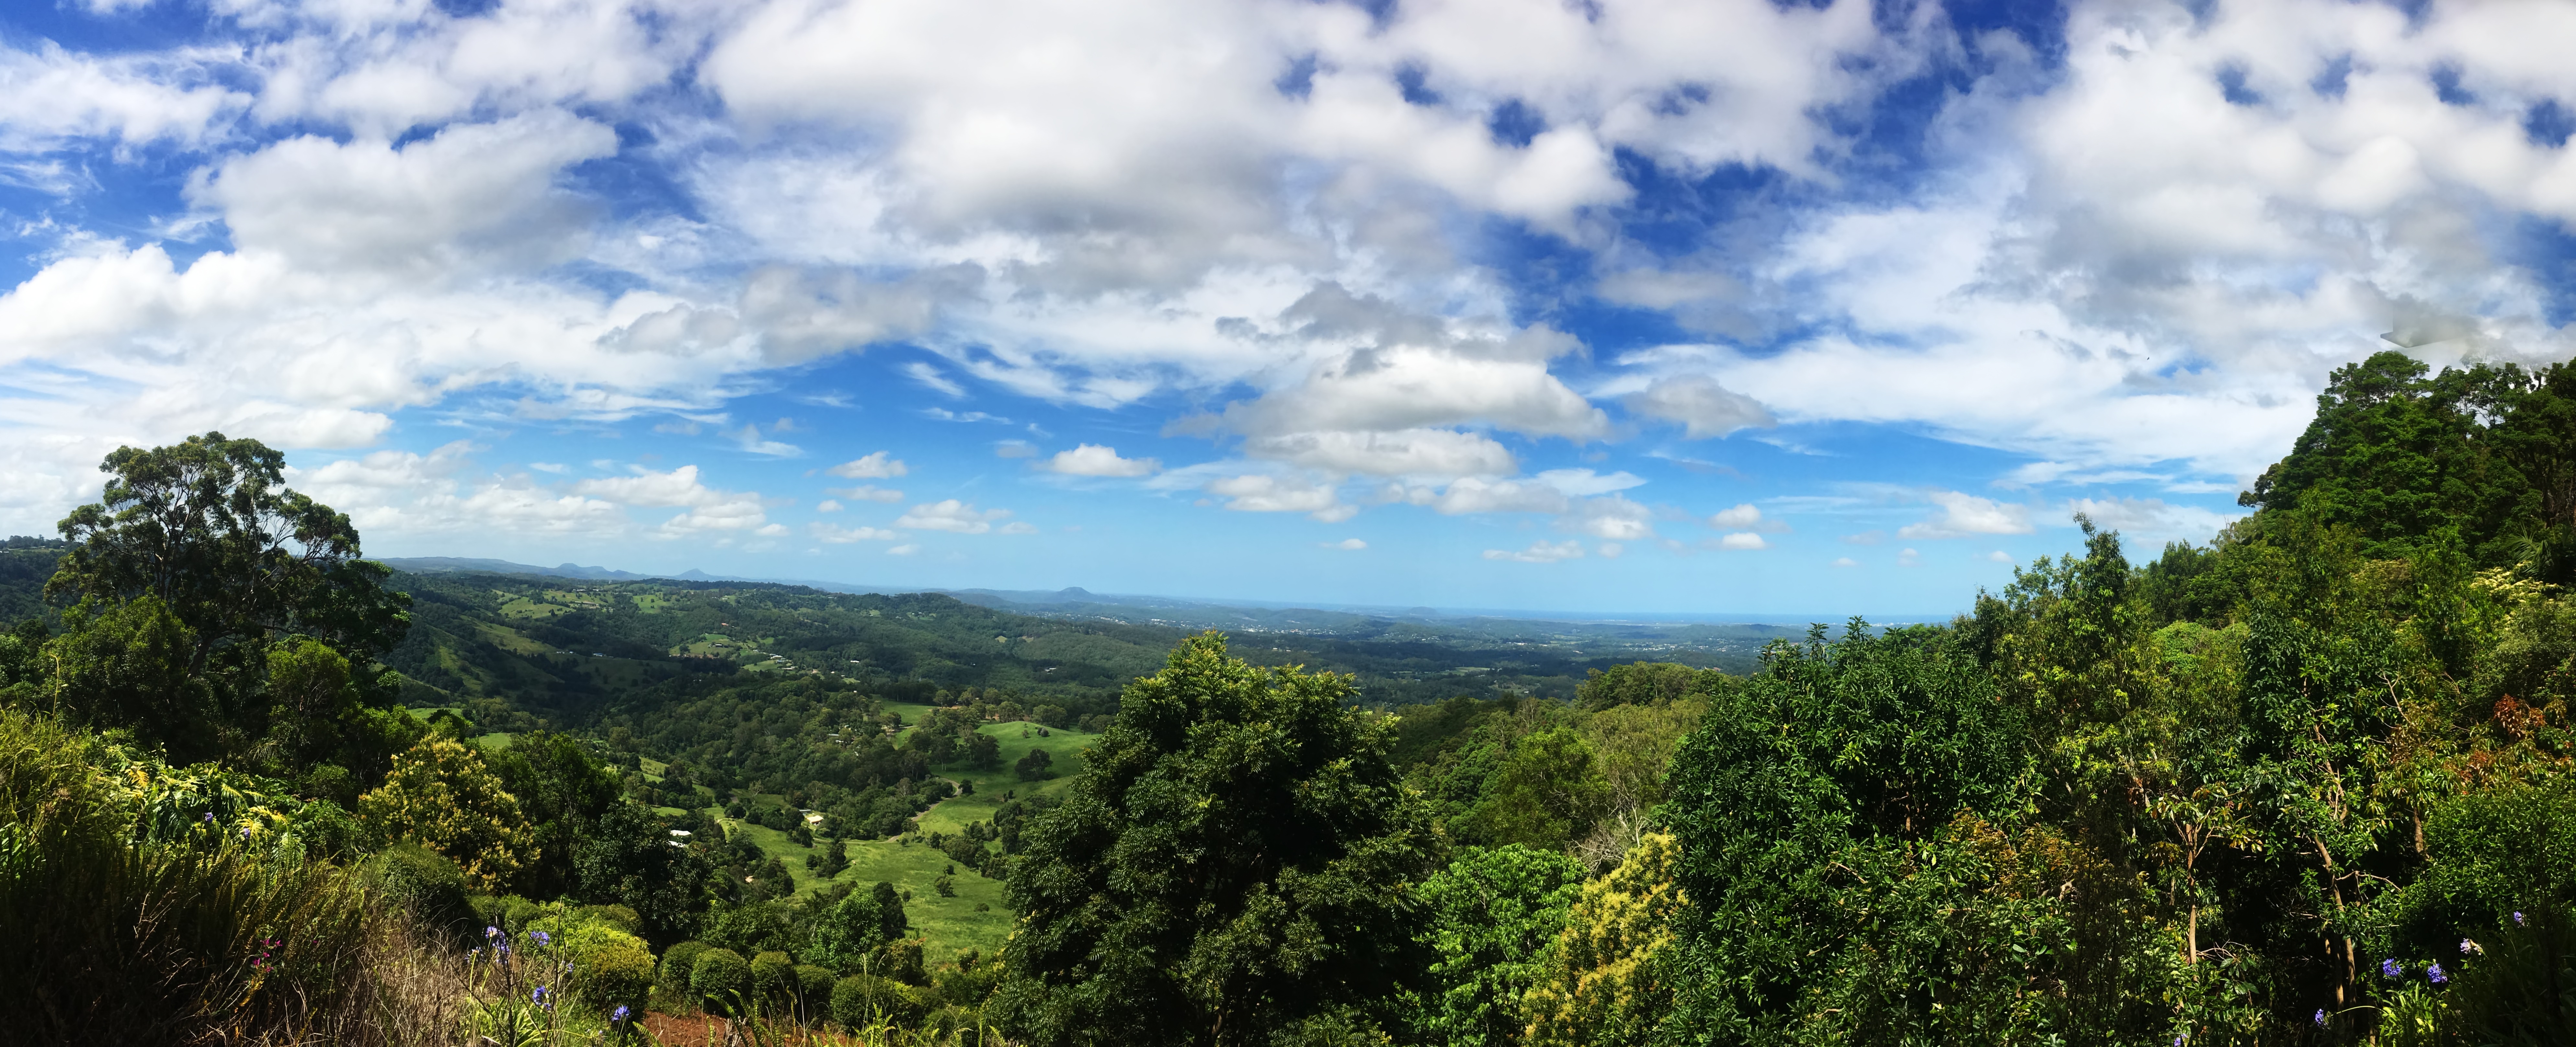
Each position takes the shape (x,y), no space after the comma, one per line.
(2308,783)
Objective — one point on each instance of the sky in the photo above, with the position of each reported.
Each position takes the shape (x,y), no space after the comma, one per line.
(1612,306)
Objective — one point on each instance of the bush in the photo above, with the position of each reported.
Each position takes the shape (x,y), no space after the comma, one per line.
(863,1000)
(423,881)
(610,966)
(1036,766)
(813,992)
(719,980)
(773,977)
(679,962)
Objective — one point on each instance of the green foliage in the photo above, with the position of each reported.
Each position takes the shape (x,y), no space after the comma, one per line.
(1802,803)
(1488,917)
(863,1001)
(1608,979)
(1035,767)
(126,926)
(443,797)
(720,980)
(610,967)
(204,533)
(1547,793)
(424,883)
(1230,865)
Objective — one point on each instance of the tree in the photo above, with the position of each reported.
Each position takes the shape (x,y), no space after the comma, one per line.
(629,858)
(126,665)
(441,796)
(1547,794)
(983,752)
(563,789)
(1035,767)
(1609,980)
(206,529)
(1490,915)
(1231,865)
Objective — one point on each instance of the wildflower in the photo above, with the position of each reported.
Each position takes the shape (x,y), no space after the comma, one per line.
(2470,947)
(491,932)
(2321,1017)
(2517,917)
(2390,969)
(540,937)
(539,997)
(210,820)
(2434,973)
(619,1015)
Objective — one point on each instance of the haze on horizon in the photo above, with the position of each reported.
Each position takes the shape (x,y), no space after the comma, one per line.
(1627,306)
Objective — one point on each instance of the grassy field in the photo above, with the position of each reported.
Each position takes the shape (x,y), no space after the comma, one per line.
(950,924)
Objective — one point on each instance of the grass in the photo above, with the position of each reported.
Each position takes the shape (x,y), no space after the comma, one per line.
(950,924)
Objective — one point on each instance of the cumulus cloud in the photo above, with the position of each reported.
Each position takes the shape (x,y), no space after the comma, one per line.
(2152,517)
(1845,561)
(866,493)
(875,465)
(846,535)
(1348,545)
(953,516)
(1541,551)
(1704,407)
(1746,516)
(1097,460)
(1743,540)
(1963,514)
(1614,518)
(704,509)
(1263,493)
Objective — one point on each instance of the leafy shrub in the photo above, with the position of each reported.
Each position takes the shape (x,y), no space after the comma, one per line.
(773,977)
(442,796)
(680,961)
(610,966)
(1035,766)
(813,993)
(189,937)
(426,884)
(862,1000)
(718,979)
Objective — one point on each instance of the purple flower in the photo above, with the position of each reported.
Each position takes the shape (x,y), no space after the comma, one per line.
(539,997)
(210,819)
(491,932)
(2517,917)
(2469,947)
(2434,973)
(2321,1017)
(2390,969)
(619,1015)
(541,937)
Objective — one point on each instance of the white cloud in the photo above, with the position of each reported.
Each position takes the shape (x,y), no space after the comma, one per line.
(875,465)
(1845,561)
(1015,449)
(704,508)
(867,493)
(906,549)
(1262,493)
(951,515)
(1473,495)
(1999,556)
(1746,516)
(1966,514)
(1743,540)
(1611,550)
(1097,460)
(1425,453)
(1018,527)
(1909,558)
(827,506)
(847,535)
(1704,407)
(1541,551)
(2152,518)
(1614,518)
(1348,545)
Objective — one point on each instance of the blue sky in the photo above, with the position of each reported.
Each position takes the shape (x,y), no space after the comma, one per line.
(1626,306)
